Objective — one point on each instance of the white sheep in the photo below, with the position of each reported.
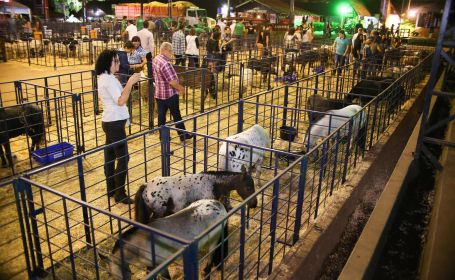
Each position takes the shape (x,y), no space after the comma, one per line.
(332,121)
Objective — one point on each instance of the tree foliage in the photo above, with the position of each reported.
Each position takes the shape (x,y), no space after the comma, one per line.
(67,6)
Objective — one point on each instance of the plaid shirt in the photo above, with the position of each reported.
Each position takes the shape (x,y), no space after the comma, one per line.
(163,73)
(135,57)
(178,42)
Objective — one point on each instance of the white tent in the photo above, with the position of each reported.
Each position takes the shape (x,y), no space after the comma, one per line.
(15,8)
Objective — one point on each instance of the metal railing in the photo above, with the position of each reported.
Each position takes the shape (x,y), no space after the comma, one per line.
(293,187)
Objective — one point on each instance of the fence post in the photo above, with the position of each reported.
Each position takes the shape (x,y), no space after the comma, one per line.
(203,88)
(78,125)
(240,116)
(346,158)
(190,262)
(151,99)
(300,196)
(55,55)
(48,104)
(373,123)
(242,242)
(241,81)
(335,160)
(90,51)
(165,150)
(31,225)
(321,177)
(28,53)
(19,93)
(80,170)
(17,189)
(285,104)
(273,221)
(96,105)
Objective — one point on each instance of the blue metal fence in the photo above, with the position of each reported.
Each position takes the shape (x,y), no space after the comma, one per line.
(290,196)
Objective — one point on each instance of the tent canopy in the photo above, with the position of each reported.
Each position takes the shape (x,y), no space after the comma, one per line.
(14,8)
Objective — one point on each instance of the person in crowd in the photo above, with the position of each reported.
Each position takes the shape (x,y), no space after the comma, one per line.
(146,37)
(262,41)
(239,31)
(370,26)
(307,37)
(378,48)
(342,50)
(37,25)
(151,25)
(357,42)
(221,24)
(298,33)
(123,26)
(213,50)
(114,119)
(368,60)
(328,29)
(396,42)
(12,30)
(232,26)
(27,27)
(167,89)
(251,35)
(192,48)
(392,29)
(139,23)
(136,55)
(226,47)
(130,30)
(290,39)
(124,68)
(178,45)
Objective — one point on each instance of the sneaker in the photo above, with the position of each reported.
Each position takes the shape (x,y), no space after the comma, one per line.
(186,136)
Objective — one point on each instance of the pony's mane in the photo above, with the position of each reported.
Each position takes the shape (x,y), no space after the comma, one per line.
(129,232)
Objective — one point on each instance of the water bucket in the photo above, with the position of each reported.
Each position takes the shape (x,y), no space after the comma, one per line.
(288,133)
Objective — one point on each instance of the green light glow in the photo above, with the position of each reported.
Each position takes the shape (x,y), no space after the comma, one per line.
(344,9)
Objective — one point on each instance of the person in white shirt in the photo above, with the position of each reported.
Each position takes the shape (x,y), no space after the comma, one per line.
(232,27)
(131,30)
(115,117)
(147,42)
(354,37)
(222,25)
(192,48)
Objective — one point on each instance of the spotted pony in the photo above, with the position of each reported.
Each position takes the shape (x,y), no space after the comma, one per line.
(166,195)
(239,155)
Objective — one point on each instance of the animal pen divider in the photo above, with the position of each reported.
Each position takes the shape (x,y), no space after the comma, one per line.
(58,52)
(292,190)
(289,201)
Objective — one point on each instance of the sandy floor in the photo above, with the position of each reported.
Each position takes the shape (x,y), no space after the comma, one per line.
(145,163)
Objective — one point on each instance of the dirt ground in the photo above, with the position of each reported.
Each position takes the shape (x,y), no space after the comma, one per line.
(144,164)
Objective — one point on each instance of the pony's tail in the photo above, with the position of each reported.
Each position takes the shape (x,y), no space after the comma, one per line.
(141,213)
(221,251)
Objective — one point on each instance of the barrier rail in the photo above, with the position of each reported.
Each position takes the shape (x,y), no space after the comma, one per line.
(291,192)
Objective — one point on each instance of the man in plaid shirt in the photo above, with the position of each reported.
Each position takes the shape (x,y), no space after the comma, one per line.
(167,89)
(178,44)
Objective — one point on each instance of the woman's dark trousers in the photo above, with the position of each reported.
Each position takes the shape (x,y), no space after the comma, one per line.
(115,176)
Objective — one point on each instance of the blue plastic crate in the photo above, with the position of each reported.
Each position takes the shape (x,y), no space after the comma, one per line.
(53,153)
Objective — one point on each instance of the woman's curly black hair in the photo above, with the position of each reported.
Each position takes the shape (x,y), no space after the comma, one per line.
(104,61)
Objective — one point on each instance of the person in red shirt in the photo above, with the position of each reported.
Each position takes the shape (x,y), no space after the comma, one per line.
(167,89)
